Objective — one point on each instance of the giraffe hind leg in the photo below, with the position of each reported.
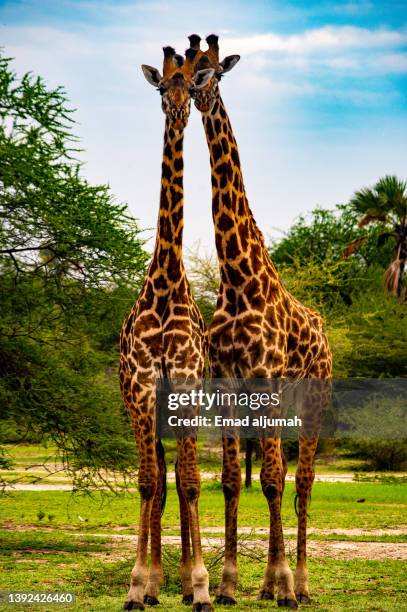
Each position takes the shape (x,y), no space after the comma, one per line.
(231,483)
(314,401)
(304,478)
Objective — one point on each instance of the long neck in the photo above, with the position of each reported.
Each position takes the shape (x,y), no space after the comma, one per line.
(239,242)
(167,259)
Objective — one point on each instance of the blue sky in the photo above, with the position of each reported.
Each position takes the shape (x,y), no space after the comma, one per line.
(318,102)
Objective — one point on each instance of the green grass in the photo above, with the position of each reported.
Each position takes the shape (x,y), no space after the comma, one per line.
(92,570)
(332,505)
(20,542)
(41,554)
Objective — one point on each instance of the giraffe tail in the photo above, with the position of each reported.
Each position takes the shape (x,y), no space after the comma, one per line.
(296,504)
(248,462)
(163,471)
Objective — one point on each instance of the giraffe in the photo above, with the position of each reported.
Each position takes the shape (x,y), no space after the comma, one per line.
(258,331)
(165,337)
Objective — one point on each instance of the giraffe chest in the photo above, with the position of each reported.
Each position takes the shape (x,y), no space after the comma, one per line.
(249,342)
(166,337)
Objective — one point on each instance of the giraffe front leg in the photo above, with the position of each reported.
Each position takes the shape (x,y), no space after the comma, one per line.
(278,574)
(304,479)
(186,563)
(190,488)
(147,483)
(139,573)
(231,482)
(156,576)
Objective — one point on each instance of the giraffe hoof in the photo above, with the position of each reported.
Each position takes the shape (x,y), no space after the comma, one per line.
(225,600)
(303,599)
(287,603)
(202,607)
(187,599)
(150,600)
(266,595)
(133,605)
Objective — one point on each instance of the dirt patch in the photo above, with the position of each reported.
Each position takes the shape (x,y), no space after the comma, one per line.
(334,549)
(250,531)
(39,487)
(316,548)
(375,551)
(313,530)
(36,561)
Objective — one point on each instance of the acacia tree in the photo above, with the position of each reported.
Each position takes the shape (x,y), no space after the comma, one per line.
(71,261)
(385,204)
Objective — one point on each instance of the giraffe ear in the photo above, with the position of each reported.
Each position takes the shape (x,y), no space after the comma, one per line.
(202,77)
(229,62)
(152,75)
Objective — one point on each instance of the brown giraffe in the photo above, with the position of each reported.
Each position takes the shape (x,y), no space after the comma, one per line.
(258,331)
(165,337)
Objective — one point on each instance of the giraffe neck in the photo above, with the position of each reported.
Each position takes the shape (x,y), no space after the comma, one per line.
(239,242)
(167,264)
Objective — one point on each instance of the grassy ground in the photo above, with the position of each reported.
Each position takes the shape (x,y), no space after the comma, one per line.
(51,540)
(332,505)
(98,574)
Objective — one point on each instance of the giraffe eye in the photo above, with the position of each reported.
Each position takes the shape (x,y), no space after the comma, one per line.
(161,90)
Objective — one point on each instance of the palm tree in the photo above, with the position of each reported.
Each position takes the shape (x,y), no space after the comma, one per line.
(386,204)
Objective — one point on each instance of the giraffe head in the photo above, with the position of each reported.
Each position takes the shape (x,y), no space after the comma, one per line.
(205,97)
(179,82)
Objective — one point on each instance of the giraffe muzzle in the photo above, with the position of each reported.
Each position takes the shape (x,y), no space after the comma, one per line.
(204,103)
(179,118)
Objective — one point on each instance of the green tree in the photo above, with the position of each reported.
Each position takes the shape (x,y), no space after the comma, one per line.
(203,274)
(366,330)
(322,236)
(71,263)
(385,204)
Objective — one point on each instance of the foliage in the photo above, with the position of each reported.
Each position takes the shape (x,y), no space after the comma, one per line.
(203,274)
(323,235)
(367,330)
(71,261)
(381,455)
(386,205)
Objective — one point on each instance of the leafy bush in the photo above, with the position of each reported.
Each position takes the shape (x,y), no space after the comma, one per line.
(381,455)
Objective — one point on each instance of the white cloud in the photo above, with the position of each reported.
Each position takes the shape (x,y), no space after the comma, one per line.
(328,38)
(393,62)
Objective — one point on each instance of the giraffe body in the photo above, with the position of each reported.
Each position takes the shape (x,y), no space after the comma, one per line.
(259,330)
